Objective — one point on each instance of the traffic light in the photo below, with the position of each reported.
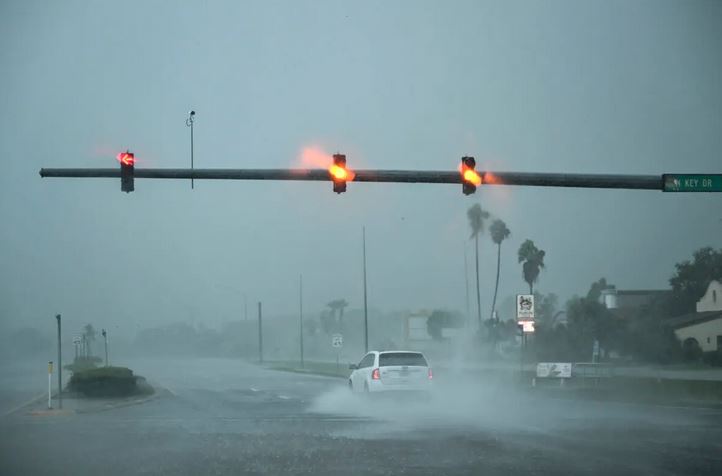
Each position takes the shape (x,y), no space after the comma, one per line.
(339,173)
(469,177)
(127,171)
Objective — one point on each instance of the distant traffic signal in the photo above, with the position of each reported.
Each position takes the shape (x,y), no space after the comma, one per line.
(339,173)
(127,171)
(469,177)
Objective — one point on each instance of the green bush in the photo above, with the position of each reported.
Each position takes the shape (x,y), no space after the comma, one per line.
(104,382)
(84,363)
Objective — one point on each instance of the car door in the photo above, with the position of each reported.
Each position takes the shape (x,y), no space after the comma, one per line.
(360,375)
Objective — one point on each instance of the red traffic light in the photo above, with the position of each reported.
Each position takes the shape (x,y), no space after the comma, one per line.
(127,171)
(126,158)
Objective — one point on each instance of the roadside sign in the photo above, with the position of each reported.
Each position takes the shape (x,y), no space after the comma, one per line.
(50,367)
(337,340)
(524,307)
(527,326)
(692,182)
(554,370)
(76,340)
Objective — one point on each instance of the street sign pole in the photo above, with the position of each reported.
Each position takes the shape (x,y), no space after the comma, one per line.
(50,385)
(300,317)
(366,311)
(260,333)
(60,366)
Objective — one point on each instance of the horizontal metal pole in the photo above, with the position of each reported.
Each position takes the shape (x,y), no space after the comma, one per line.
(635,182)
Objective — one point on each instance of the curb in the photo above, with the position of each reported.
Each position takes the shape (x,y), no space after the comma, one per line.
(307,372)
(157,393)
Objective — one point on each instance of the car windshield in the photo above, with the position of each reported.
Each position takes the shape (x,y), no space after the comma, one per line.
(402,358)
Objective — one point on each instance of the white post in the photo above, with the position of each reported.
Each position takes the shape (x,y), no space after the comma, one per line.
(50,385)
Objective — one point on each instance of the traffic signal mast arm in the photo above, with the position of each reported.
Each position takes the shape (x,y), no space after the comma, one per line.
(632,182)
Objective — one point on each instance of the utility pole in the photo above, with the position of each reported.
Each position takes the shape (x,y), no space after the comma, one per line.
(300,317)
(189,123)
(60,365)
(260,333)
(466,279)
(366,310)
(50,385)
(105,339)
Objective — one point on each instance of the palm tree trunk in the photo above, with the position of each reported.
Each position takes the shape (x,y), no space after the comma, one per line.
(496,287)
(478,292)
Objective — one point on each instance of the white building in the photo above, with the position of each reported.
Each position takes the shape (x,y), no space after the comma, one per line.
(704,327)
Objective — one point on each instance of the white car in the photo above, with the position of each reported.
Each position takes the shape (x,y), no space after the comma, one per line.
(393,370)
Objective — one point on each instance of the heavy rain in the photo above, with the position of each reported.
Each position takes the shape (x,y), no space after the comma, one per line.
(334,237)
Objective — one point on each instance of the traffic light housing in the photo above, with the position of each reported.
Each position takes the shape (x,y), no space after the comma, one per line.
(469,177)
(339,173)
(127,171)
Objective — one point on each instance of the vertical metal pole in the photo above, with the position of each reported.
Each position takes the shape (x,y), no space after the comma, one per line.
(521,353)
(191,153)
(50,384)
(189,123)
(300,318)
(478,292)
(466,279)
(60,366)
(366,310)
(260,333)
(105,339)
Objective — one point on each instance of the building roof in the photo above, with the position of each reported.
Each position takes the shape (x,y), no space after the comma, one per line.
(692,319)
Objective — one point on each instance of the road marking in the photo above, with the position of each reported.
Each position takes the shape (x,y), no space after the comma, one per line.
(51,412)
(254,390)
(284,397)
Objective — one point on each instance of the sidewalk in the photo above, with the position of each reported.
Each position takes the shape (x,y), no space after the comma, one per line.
(77,404)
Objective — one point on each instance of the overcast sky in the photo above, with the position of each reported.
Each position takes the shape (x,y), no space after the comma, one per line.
(555,86)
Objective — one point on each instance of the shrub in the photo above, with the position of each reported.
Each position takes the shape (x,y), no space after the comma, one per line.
(84,363)
(104,382)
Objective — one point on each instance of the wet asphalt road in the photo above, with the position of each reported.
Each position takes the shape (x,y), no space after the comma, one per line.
(226,417)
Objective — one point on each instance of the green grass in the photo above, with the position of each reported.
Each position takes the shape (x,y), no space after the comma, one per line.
(328,369)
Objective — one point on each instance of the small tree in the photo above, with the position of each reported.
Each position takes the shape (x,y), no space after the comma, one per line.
(439,320)
(691,279)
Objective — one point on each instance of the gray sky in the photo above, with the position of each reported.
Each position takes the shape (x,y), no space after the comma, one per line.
(596,86)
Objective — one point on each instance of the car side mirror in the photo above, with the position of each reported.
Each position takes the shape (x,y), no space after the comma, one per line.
(353,366)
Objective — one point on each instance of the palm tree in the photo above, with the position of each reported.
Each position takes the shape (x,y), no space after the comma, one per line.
(499,232)
(476,216)
(533,262)
(89,335)
(338,305)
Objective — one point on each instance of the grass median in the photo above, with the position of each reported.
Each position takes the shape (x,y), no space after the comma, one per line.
(328,369)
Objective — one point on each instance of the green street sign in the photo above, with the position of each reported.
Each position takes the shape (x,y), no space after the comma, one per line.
(692,182)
